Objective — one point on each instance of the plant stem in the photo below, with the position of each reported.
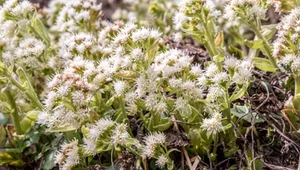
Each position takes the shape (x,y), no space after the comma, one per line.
(210,41)
(297,84)
(33,98)
(14,114)
(267,46)
(215,144)
(211,46)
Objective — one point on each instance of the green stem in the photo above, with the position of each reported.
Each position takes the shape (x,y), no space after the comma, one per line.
(227,110)
(267,46)
(211,42)
(211,46)
(133,151)
(297,84)
(33,98)
(122,104)
(14,114)
(215,144)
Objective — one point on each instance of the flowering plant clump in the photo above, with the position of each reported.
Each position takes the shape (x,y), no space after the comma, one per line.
(81,92)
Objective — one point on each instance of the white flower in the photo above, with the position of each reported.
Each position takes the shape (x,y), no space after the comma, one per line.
(31,46)
(161,107)
(294,37)
(212,70)
(151,101)
(137,54)
(130,97)
(151,142)
(296,65)
(155,34)
(119,87)
(141,83)
(220,77)
(121,38)
(196,70)
(257,11)
(120,134)
(90,146)
(179,20)
(49,101)
(63,91)
(287,59)
(140,34)
(212,125)
(177,36)
(78,98)
(161,161)
(214,93)
(43,118)
(243,73)
(229,13)
(68,156)
(181,104)
(277,46)
(231,62)
(171,62)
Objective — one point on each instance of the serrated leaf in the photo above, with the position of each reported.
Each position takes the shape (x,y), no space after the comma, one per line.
(264,64)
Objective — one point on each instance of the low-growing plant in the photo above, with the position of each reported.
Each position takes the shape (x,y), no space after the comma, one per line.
(79,92)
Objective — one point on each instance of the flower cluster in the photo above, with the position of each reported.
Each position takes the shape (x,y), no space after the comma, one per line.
(212,125)
(25,50)
(97,79)
(195,11)
(68,156)
(68,96)
(247,10)
(72,16)
(155,147)
(285,47)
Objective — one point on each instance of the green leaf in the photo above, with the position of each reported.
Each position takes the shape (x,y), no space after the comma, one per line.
(268,31)
(3,119)
(244,113)
(61,129)
(228,126)
(256,44)
(49,162)
(10,159)
(219,58)
(235,52)
(163,125)
(264,64)
(3,136)
(28,121)
(39,29)
(110,101)
(239,94)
